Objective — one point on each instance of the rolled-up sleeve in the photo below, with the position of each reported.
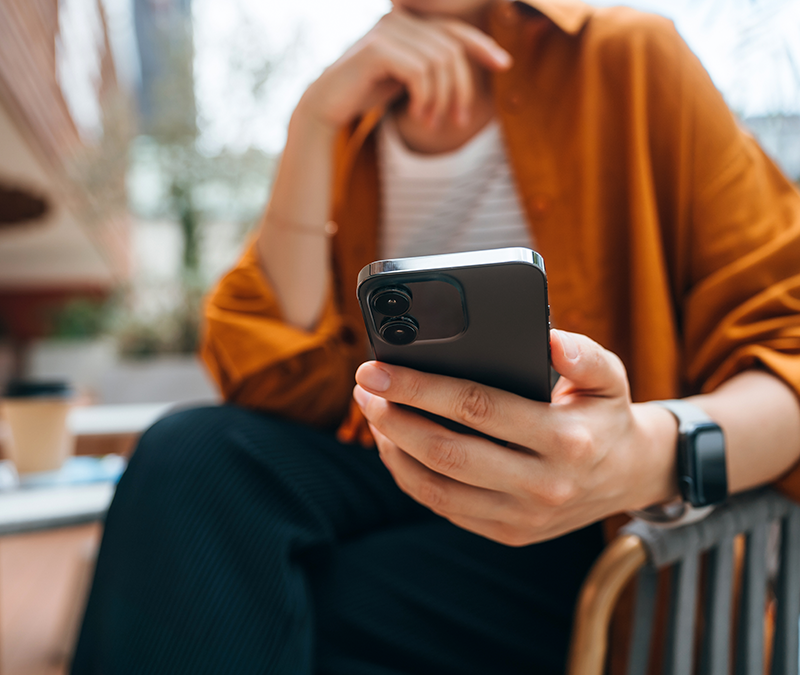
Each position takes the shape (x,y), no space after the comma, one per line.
(259,361)
(742,308)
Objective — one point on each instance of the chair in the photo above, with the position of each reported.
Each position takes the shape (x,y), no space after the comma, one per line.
(760,518)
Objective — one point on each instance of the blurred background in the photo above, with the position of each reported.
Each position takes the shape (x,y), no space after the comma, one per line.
(138,139)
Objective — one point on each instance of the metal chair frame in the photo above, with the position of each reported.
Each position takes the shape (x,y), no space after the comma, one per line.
(643,549)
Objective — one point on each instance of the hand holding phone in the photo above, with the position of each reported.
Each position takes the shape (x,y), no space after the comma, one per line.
(561,466)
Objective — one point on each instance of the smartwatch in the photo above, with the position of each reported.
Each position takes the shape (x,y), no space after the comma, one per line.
(702,472)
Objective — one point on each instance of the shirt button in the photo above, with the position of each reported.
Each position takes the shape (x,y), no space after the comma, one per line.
(539,206)
(512,103)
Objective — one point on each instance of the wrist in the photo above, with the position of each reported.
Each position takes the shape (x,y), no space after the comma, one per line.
(658,453)
(311,125)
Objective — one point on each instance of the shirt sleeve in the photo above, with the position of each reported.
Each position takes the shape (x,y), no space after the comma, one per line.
(261,362)
(741,308)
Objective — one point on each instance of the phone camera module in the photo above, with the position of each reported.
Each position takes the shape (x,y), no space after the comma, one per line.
(392,301)
(400,331)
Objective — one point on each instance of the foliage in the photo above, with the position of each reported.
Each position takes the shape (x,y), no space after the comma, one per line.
(162,174)
(174,332)
(170,177)
(84,319)
(172,329)
(100,169)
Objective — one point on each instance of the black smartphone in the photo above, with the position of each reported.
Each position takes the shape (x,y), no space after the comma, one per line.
(479,315)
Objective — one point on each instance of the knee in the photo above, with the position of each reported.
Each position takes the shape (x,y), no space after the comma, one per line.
(173,440)
(194,449)
(182,449)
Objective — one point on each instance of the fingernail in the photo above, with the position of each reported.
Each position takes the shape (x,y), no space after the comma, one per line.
(569,345)
(373,377)
(362,397)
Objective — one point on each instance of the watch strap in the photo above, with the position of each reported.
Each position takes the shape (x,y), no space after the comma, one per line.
(701,471)
(687,414)
(700,454)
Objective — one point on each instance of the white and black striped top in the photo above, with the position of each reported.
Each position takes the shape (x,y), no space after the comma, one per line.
(456,201)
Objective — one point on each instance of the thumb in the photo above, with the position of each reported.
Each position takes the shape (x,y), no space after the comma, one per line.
(587,367)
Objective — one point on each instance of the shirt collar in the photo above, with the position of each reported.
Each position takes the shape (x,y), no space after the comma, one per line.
(569,15)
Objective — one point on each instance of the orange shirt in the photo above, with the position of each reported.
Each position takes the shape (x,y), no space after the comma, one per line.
(669,237)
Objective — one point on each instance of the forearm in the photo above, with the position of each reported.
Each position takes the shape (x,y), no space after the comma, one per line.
(292,242)
(760,416)
(426,57)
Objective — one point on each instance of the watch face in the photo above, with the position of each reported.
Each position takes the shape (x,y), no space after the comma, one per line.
(709,451)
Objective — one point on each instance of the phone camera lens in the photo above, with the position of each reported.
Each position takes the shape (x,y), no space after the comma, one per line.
(400,331)
(392,301)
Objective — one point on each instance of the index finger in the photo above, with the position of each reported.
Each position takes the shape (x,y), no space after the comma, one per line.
(480,46)
(491,411)
(464,458)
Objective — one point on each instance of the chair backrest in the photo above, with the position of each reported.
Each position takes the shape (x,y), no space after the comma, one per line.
(753,515)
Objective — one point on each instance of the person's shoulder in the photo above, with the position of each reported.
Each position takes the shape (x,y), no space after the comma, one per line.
(623,31)
(641,48)
(628,24)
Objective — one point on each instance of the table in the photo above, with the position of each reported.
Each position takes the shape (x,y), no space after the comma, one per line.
(116,420)
(36,509)
(100,429)
(42,507)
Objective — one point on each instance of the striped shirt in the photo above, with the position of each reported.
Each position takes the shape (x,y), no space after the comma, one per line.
(463,200)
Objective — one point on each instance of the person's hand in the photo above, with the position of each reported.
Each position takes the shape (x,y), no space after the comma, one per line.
(428,58)
(588,454)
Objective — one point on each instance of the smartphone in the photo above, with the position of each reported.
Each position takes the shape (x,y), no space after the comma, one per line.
(479,315)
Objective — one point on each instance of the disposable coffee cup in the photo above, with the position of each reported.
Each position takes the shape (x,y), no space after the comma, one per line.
(36,416)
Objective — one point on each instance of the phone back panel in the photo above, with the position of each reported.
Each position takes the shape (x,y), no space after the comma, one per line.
(503,340)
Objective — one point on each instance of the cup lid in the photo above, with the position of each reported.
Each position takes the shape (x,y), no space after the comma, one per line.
(38,389)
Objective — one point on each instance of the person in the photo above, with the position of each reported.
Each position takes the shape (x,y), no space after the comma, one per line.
(259,537)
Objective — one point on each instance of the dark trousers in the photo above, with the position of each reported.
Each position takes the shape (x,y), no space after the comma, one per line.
(238,543)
